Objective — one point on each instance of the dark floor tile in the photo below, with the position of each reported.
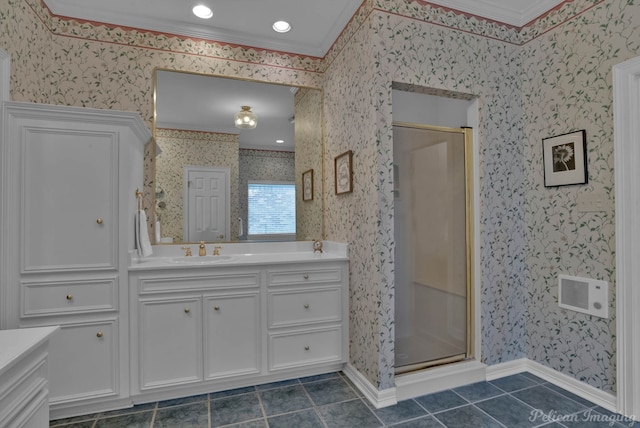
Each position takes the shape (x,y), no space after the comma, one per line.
(511,412)
(303,419)
(514,382)
(81,421)
(440,401)
(79,424)
(279,384)
(570,395)
(135,409)
(352,386)
(349,414)
(533,377)
(285,400)
(183,400)
(329,391)
(131,420)
(426,422)
(478,391)
(316,378)
(230,392)
(402,411)
(546,400)
(260,423)
(467,417)
(195,415)
(235,409)
(591,418)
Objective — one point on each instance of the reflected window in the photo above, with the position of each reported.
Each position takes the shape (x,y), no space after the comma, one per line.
(272,210)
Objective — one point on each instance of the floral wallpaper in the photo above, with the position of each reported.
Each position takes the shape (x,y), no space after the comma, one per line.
(308,136)
(191,148)
(567,86)
(550,77)
(268,165)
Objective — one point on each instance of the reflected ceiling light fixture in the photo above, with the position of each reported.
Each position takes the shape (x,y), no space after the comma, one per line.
(282,26)
(245,118)
(280,141)
(202,11)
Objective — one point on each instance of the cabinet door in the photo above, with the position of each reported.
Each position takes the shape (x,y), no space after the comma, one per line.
(232,335)
(170,335)
(70,185)
(83,362)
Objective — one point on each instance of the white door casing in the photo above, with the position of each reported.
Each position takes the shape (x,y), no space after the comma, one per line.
(626,107)
(206,204)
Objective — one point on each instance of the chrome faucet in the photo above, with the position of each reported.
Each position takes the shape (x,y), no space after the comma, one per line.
(216,250)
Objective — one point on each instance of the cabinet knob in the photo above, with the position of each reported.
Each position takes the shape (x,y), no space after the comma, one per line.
(306,306)
(69,296)
(99,220)
(99,334)
(216,308)
(187,310)
(306,276)
(306,348)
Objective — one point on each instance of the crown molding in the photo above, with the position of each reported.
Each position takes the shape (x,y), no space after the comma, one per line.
(517,13)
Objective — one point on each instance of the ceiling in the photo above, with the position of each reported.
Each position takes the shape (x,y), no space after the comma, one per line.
(197,102)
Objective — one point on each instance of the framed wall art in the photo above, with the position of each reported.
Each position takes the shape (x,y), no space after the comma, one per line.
(307,185)
(565,159)
(343,169)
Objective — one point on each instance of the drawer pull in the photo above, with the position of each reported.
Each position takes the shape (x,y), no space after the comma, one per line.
(69,296)
(99,334)
(306,306)
(306,348)
(187,310)
(99,220)
(216,308)
(306,276)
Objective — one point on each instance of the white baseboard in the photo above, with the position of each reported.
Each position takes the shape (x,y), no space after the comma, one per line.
(412,385)
(379,399)
(568,383)
(436,379)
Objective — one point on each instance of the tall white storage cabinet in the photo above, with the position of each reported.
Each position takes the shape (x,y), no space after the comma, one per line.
(69,177)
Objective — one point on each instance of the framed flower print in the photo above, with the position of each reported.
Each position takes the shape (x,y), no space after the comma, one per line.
(565,159)
(307,185)
(343,169)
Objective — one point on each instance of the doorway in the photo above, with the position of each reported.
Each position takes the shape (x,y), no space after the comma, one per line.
(433,255)
(207,204)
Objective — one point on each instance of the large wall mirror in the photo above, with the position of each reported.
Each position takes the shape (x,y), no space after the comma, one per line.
(217,182)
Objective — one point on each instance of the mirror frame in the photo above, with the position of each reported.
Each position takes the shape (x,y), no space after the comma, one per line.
(150,187)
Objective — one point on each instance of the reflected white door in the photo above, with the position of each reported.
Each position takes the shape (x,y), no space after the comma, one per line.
(206,209)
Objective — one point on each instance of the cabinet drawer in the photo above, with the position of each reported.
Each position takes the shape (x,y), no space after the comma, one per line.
(149,285)
(287,308)
(51,298)
(313,275)
(297,349)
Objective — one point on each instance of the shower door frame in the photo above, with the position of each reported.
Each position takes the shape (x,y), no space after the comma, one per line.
(467,133)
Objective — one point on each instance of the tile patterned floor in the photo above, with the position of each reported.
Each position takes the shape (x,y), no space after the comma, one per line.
(331,401)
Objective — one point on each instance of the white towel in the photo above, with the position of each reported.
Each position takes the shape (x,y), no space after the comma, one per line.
(143,235)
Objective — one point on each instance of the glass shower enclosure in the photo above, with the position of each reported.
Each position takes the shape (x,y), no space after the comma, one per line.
(433,234)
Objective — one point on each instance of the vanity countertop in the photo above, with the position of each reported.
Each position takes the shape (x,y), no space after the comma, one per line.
(172,257)
(14,344)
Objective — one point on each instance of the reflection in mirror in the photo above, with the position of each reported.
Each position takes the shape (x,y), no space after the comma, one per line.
(216,182)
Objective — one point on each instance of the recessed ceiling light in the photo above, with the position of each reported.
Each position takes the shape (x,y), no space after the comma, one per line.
(202,11)
(279,141)
(282,26)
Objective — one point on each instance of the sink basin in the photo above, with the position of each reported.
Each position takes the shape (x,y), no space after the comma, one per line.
(199,260)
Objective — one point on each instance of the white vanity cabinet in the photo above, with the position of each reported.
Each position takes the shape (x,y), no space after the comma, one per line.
(205,329)
(69,177)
